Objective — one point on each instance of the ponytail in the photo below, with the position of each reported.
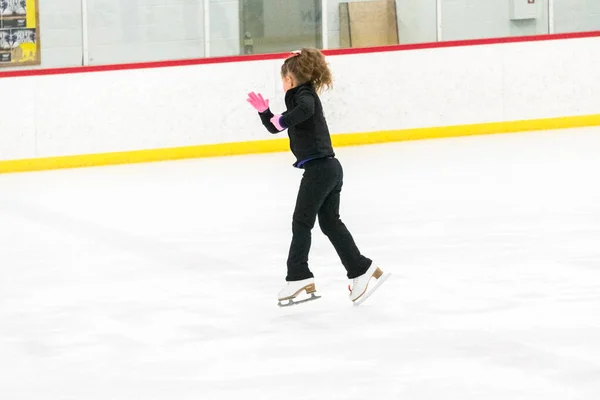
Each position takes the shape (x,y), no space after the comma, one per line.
(309,66)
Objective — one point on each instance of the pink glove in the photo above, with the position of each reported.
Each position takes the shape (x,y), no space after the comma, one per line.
(257,101)
(275,122)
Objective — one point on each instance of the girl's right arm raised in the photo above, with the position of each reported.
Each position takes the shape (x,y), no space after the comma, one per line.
(262,107)
(265,117)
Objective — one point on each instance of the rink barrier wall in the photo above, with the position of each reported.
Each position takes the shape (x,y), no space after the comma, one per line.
(281,145)
(278,56)
(122,114)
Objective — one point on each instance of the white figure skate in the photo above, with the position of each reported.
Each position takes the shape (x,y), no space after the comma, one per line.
(293,289)
(358,290)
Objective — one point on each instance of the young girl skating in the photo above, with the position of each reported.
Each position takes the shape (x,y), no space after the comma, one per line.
(304,75)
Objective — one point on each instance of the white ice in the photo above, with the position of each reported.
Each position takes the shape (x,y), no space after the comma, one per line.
(159,281)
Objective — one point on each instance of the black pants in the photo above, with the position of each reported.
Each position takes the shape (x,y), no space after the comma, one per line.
(319,196)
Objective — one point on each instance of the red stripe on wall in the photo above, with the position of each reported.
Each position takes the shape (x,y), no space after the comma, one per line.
(275,56)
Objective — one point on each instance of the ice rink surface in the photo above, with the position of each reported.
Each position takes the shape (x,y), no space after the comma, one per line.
(159,281)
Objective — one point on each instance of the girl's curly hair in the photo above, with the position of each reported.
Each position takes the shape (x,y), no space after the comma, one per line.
(309,66)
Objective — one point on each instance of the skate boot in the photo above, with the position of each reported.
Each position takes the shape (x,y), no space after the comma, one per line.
(292,289)
(358,290)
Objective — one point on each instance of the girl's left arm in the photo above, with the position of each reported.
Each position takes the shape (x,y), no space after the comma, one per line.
(265,117)
(303,111)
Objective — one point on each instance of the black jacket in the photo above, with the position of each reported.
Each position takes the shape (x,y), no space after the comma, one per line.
(305,122)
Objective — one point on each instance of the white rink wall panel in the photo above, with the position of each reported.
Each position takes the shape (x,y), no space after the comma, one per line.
(415,89)
(562,79)
(112,111)
(143,109)
(17,119)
